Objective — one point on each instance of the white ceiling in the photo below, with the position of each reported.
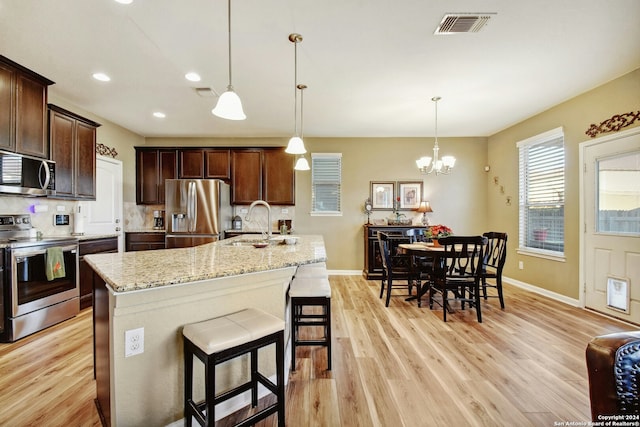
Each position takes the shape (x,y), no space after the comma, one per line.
(372,66)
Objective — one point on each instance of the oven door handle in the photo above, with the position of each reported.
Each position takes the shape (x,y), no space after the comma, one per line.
(22,255)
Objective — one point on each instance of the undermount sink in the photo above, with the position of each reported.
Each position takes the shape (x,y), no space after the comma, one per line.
(250,242)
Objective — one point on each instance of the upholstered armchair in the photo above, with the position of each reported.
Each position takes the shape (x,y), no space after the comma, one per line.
(613,365)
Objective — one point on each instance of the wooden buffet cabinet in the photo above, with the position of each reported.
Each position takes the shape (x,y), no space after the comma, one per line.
(372,260)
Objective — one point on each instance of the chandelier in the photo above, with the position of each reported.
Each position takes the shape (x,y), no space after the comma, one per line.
(428,165)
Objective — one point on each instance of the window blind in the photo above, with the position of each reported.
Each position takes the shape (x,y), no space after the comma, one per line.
(326,177)
(541,166)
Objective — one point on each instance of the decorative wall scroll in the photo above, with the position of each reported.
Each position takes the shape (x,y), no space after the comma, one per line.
(103,150)
(614,124)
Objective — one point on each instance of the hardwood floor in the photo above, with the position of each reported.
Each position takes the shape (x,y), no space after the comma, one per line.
(400,365)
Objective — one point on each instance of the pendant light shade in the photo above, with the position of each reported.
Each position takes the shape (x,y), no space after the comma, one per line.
(296,144)
(229,105)
(302,164)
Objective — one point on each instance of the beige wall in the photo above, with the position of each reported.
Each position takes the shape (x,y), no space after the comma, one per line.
(575,116)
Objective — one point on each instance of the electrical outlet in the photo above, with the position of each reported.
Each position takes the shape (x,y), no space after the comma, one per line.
(521,265)
(133,342)
(284,210)
(244,210)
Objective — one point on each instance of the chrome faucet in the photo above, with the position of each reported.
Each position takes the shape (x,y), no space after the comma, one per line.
(261,202)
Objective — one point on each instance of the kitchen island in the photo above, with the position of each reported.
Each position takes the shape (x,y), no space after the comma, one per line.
(156,293)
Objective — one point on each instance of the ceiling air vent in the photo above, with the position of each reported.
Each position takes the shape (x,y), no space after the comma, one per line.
(454,23)
(206,92)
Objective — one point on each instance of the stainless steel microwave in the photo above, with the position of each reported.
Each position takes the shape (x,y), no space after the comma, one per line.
(25,175)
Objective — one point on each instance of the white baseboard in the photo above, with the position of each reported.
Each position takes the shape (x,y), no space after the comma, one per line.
(541,291)
(344,272)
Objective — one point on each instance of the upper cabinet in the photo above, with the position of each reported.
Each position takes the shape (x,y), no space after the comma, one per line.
(246,176)
(198,163)
(254,173)
(278,177)
(23,110)
(72,141)
(265,174)
(153,167)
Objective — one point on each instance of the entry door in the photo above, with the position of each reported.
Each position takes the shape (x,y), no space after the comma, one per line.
(104,215)
(611,244)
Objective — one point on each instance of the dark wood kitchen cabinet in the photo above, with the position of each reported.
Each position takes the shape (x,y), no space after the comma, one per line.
(246,176)
(85,272)
(265,174)
(153,167)
(204,163)
(141,241)
(278,177)
(72,139)
(23,102)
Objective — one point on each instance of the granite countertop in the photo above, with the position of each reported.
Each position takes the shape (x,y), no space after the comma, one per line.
(130,271)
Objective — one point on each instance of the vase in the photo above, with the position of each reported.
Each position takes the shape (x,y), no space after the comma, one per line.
(436,243)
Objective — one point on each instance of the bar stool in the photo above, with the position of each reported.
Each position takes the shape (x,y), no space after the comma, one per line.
(316,270)
(310,292)
(221,339)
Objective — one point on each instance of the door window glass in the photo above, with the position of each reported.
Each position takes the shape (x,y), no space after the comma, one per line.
(618,187)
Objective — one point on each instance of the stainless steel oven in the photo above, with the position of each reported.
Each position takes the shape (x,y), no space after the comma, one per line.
(33,301)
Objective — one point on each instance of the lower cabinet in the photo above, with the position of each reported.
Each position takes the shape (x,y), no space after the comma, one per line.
(141,241)
(85,273)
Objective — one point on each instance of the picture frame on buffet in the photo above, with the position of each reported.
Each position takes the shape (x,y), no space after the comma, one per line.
(382,195)
(410,194)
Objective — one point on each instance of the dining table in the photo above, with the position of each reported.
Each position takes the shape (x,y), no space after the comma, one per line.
(423,250)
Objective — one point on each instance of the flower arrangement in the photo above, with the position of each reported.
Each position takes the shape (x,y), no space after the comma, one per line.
(438,231)
(396,209)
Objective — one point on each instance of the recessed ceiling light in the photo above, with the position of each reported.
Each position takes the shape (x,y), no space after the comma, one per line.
(192,77)
(102,77)
(159,114)
(125,1)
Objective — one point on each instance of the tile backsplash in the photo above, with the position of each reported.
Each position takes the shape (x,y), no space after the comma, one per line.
(136,217)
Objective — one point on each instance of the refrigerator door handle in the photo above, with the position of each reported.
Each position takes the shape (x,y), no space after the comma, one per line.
(193,216)
(190,196)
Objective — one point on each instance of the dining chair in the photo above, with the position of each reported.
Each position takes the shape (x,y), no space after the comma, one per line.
(457,275)
(394,266)
(495,256)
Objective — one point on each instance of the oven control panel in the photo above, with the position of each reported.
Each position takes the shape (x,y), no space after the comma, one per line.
(15,222)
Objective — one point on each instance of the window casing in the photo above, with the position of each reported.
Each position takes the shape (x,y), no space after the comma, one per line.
(541,201)
(326,182)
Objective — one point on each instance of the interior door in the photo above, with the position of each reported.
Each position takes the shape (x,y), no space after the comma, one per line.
(611,244)
(104,215)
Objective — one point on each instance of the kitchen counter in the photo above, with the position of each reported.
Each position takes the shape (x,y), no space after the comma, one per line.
(130,271)
(158,292)
(95,236)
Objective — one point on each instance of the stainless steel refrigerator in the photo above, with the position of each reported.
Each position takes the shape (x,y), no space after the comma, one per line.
(197,211)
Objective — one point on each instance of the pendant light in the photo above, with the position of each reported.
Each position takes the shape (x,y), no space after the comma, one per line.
(302,164)
(296,144)
(444,166)
(229,105)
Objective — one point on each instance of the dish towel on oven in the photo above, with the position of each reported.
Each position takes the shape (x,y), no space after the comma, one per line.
(54,267)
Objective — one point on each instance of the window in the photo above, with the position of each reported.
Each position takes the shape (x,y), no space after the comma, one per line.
(326,179)
(542,193)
